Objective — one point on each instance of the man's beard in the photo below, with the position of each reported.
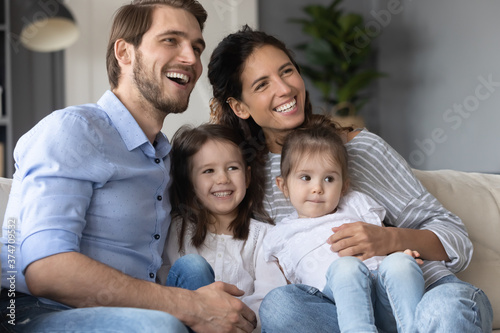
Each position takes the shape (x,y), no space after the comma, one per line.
(150,90)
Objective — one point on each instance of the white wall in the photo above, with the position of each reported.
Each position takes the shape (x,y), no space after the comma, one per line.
(435,107)
(437,55)
(86,78)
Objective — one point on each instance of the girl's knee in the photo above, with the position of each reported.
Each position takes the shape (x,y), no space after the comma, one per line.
(400,265)
(347,266)
(192,263)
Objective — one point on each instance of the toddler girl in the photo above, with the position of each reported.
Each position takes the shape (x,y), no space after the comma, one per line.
(314,178)
(213,235)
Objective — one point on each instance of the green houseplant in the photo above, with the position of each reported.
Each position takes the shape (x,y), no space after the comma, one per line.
(337,57)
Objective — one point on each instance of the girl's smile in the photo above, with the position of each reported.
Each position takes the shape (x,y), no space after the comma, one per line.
(220,179)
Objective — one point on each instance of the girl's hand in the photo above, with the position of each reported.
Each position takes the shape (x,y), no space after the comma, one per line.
(415,255)
(362,240)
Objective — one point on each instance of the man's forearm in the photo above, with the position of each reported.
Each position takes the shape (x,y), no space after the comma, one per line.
(84,282)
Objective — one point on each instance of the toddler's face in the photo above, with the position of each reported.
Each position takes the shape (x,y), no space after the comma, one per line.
(314,186)
(220,178)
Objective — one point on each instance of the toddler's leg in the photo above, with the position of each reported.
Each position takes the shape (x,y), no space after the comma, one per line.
(191,272)
(349,284)
(400,288)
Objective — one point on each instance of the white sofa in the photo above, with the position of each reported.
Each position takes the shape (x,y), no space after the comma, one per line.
(472,196)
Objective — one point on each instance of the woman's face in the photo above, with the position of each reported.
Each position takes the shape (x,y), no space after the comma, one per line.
(273,93)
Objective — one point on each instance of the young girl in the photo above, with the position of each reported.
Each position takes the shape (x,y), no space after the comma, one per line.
(212,209)
(314,178)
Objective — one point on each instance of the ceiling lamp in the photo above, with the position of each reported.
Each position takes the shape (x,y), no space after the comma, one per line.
(48,26)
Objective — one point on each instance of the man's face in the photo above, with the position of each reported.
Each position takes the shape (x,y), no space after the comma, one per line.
(167,63)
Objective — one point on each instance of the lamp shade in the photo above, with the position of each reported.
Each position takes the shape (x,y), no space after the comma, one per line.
(48,26)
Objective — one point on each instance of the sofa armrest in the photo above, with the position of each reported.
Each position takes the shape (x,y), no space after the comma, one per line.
(475,198)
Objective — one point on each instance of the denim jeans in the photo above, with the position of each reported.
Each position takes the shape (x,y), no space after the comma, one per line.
(365,299)
(190,272)
(448,305)
(31,315)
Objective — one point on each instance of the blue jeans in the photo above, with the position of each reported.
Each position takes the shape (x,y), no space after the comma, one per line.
(31,315)
(387,297)
(190,272)
(448,305)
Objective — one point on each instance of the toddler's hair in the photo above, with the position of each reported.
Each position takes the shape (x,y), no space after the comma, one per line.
(320,136)
(186,142)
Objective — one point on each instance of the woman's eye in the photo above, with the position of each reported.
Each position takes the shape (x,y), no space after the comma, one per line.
(260,86)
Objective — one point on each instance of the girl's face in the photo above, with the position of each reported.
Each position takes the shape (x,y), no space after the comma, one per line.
(220,178)
(314,186)
(273,93)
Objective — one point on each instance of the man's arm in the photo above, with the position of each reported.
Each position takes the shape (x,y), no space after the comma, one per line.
(78,281)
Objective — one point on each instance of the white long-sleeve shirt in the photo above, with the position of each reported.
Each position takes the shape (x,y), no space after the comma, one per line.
(234,261)
(299,244)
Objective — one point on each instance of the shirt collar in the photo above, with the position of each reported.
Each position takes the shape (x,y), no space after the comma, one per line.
(128,128)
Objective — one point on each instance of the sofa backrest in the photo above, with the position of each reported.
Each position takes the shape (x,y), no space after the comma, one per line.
(475,198)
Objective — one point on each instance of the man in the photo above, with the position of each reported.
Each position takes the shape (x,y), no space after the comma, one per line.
(89,209)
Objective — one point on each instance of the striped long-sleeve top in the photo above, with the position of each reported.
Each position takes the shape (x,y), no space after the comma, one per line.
(377,170)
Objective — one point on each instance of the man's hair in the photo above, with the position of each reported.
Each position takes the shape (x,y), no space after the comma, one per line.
(132,21)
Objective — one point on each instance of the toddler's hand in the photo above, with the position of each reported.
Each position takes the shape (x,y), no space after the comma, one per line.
(415,255)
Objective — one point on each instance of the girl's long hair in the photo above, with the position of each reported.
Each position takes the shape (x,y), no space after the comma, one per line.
(186,142)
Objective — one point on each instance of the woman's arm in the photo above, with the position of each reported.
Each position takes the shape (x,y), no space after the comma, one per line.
(423,224)
(367,240)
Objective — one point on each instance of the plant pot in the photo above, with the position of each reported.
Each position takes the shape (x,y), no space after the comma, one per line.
(351,119)
(355,121)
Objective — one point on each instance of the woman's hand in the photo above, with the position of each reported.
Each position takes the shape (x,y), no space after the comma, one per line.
(365,240)
(362,240)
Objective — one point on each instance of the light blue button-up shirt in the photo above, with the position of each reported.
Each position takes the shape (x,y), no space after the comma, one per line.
(88,180)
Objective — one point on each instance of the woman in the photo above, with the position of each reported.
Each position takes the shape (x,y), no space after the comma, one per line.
(258,88)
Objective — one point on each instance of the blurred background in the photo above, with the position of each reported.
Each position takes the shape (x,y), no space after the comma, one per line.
(437,104)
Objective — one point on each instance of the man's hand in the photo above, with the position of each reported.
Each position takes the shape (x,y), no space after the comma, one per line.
(360,239)
(217,310)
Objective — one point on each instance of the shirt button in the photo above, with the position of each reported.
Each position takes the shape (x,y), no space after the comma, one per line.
(151,275)
(157,160)
(159,198)
(219,255)
(157,236)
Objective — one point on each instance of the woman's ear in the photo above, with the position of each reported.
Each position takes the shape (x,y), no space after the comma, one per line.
(282,185)
(238,107)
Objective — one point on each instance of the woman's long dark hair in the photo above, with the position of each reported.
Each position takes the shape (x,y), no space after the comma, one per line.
(186,142)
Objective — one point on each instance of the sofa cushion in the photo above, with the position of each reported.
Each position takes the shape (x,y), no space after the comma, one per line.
(475,198)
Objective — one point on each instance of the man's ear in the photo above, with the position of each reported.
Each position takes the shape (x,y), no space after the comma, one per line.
(282,185)
(238,107)
(123,52)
